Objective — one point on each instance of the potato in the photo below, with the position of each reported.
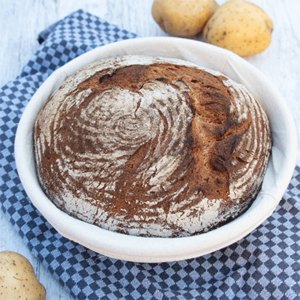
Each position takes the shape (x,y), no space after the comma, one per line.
(239,26)
(17,278)
(183,18)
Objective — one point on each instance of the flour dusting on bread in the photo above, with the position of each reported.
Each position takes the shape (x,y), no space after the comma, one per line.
(152,146)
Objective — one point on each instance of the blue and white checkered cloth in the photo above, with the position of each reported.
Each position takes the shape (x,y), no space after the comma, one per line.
(263,265)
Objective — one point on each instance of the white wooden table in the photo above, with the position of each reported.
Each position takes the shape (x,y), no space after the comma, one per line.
(21,21)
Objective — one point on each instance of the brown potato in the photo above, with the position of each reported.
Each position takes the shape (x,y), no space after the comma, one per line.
(17,278)
(239,26)
(183,18)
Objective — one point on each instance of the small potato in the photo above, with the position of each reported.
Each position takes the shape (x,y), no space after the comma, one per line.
(183,18)
(17,278)
(239,26)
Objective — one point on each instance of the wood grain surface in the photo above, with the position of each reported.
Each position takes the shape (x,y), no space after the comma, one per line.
(21,21)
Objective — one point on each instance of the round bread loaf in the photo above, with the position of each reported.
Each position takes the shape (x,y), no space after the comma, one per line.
(151,147)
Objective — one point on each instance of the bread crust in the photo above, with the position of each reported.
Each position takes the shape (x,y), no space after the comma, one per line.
(151,147)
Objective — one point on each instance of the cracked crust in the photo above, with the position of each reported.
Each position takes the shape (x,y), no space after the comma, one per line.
(151,147)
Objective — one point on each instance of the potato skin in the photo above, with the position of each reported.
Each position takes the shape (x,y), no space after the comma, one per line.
(17,278)
(239,26)
(183,18)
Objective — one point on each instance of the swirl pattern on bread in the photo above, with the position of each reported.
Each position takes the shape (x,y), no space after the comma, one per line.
(151,146)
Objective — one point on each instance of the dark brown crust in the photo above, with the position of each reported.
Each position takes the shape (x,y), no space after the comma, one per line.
(211,141)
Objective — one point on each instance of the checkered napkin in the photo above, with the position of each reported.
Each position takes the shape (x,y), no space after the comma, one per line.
(263,265)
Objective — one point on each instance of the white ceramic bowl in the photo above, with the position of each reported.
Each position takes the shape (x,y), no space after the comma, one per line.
(142,249)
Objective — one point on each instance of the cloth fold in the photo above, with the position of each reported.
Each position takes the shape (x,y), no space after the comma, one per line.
(263,265)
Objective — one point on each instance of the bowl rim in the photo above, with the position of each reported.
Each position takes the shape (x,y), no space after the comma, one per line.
(149,249)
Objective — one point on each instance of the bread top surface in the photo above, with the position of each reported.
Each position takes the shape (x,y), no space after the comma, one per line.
(151,147)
